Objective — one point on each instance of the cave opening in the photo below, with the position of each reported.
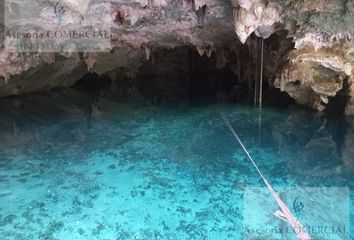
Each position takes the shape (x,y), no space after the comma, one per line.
(183,74)
(179,74)
(336,105)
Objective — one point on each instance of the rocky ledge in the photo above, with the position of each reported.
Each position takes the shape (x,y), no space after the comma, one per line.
(321,64)
(309,50)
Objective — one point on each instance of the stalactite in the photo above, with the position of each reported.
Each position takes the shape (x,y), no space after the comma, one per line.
(90,60)
(221,59)
(201,13)
(200,50)
(147,52)
(150,3)
(209,52)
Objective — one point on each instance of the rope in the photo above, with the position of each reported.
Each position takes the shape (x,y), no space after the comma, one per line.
(261,75)
(228,124)
(285,213)
(256,84)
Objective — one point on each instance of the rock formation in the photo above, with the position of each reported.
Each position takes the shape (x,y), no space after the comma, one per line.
(322,62)
(318,67)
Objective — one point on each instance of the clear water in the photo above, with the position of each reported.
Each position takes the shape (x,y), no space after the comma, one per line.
(126,171)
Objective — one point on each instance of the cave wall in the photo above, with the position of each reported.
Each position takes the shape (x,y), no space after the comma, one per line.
(48,74)
(138,27)
(309,48)
(350,106)
(321,64)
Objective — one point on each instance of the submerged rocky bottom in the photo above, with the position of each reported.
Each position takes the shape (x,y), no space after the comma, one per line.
(128,171)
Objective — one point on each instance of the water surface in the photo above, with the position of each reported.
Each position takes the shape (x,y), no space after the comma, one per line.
(70,169)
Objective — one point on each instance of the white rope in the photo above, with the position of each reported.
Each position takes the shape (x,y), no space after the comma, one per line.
(257,73)
(240,142)
(285,213)
(261,75)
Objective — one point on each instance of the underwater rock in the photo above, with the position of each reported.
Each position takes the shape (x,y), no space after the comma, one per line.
(35,204)
(98,173)
(7,220)
(52,228)
(133,193)
(5,193)
(112,166)
(81,231)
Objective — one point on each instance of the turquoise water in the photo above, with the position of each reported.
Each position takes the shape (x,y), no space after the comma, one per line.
(129,171)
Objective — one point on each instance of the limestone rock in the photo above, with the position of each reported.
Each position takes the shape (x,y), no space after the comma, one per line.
(350,106)
(319,67)
(310,84)
(255,15)
(137,27)
(45,76)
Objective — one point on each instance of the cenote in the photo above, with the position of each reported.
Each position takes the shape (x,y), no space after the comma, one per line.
(84,164)
(187,120)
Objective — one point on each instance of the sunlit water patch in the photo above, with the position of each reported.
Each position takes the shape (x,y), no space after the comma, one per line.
(124,171)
